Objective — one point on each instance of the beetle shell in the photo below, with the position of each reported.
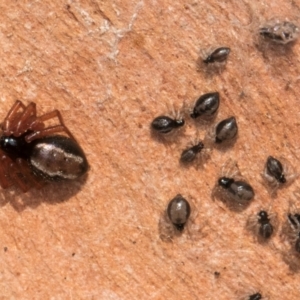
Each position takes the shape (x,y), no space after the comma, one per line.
(275,169)
(226,130)
(207,105)
(218,55)
(57,158)
(189,155)
(179,211)
(164,124)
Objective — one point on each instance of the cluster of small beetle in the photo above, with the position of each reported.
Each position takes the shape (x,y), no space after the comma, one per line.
(231,187)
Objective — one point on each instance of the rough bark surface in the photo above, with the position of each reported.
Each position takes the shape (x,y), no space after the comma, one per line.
(110,67)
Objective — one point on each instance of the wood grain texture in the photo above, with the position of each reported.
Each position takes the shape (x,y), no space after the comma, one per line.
(110,67)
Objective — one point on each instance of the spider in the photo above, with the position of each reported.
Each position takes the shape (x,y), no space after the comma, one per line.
(232,188)
(166,127)
(175,218)
(213,59)
(206,106)
(263,224)
(224,133)
(278,173)
(32,153)
(165,124)
(196,152)
(189,154)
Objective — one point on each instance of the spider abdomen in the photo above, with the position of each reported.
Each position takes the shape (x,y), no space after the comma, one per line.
(58,158)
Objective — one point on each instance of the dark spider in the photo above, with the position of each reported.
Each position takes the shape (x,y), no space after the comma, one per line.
(32,153)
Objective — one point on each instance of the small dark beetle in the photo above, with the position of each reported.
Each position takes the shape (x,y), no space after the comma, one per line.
(226,130)
(32,153)
(164,124)
(206,106)
(178,212)
(188,155)
(218,55)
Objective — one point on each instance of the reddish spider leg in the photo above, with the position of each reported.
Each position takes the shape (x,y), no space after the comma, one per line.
(9,174)
(50,130)
(26,118)
(17,173)
(16,123)
(4,179)
(7,123)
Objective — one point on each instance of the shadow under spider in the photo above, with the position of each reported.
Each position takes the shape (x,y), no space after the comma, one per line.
(52,193)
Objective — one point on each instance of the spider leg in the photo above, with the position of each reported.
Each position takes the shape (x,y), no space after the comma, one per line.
(50,130)
(9,119)
(17,173)
(45,132)
(5,182)
(23,122)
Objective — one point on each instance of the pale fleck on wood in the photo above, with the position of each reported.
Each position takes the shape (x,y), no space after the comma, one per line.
(110,67)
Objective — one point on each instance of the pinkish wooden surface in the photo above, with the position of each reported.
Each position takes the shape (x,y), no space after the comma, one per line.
(110,67)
